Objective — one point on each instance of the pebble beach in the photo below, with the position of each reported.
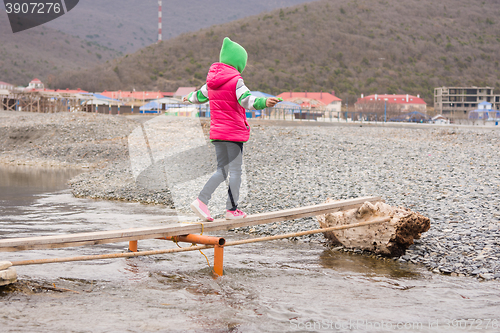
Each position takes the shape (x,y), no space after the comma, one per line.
(449,174)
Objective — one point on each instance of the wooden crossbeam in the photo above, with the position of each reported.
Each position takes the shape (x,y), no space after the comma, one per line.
(114,236)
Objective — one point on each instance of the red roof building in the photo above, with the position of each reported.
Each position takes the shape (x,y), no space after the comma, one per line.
(183,91)
(69,91)
(403,102)
(62,91)
(134,95)
(6,86)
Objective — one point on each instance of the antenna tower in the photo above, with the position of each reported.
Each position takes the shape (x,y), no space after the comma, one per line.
(159,21)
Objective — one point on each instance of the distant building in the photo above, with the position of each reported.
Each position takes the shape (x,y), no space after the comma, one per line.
(463,99)
(484,106)
(440,120)
(6,86)
(35,84)
(130,96)
(69,91)
(396,103)
(484,112)
(318,100)
(183,91)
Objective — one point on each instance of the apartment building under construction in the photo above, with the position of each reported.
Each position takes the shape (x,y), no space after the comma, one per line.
(460,100)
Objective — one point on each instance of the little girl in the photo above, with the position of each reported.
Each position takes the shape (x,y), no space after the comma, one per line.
(229,98)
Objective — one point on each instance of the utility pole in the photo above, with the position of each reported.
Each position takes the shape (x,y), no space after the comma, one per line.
(346,108)
(385,110)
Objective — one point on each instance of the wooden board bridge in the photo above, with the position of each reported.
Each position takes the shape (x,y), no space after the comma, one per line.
(178,232)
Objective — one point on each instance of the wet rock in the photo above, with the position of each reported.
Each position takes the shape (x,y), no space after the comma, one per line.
(8,276)
(487,276)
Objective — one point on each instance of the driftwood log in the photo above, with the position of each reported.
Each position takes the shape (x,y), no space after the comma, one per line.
(390,238)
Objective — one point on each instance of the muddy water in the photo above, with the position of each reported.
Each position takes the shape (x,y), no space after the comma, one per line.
(276,286)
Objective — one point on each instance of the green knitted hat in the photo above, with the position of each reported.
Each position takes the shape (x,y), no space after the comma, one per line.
(233,54)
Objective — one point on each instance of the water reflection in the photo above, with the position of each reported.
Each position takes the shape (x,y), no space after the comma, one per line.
(37,179)
(345,262)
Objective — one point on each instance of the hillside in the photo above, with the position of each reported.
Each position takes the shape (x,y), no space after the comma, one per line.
(354,47)
(43,53)
(129,25)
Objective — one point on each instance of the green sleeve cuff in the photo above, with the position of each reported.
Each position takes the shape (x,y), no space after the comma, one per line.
(197,97)
(201,97)
(260,103)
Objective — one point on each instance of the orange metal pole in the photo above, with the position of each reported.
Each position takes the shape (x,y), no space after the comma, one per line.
(197,239)
(132,246)
(217,242)
(218,259)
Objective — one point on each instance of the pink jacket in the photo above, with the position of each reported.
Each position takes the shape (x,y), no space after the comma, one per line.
(228,120)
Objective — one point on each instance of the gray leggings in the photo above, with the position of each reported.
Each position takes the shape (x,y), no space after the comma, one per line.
(229,161)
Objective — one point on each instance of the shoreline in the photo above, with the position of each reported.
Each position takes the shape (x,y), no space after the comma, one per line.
(447,173)
(280,122)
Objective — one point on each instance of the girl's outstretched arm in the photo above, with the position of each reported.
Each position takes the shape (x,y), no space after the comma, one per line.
(197,97)
(250,102)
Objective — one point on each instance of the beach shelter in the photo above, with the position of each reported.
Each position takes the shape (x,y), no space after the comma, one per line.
(99,103)
(98,99)
(484,112)
(289,107)
(161,104)
(150,106)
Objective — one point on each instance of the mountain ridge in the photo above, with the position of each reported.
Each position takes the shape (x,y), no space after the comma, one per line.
(43,52)
(129,25)
(107,29)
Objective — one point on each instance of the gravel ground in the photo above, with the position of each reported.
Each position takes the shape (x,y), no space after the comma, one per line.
(450,175)
(62,139)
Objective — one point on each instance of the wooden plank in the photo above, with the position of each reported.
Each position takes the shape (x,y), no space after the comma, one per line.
(208,226)
(193,248)
(133,233)
(114,236)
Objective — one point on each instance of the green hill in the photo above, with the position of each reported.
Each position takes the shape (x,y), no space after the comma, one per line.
(43,53)
(353,47)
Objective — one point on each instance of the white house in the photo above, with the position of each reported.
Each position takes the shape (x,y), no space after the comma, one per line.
(440,120)
(36,84)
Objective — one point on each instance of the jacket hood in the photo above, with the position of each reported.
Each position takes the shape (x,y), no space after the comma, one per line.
(233,54)
(219,74)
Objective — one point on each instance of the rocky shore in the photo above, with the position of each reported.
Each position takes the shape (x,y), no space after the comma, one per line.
(450,175)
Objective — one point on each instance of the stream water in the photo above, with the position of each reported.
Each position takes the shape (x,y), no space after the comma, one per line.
(279,286)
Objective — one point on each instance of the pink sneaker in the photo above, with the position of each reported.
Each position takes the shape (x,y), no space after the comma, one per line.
(236,214)
(201,210)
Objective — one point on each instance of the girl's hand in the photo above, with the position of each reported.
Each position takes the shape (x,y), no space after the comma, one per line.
(271,101)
